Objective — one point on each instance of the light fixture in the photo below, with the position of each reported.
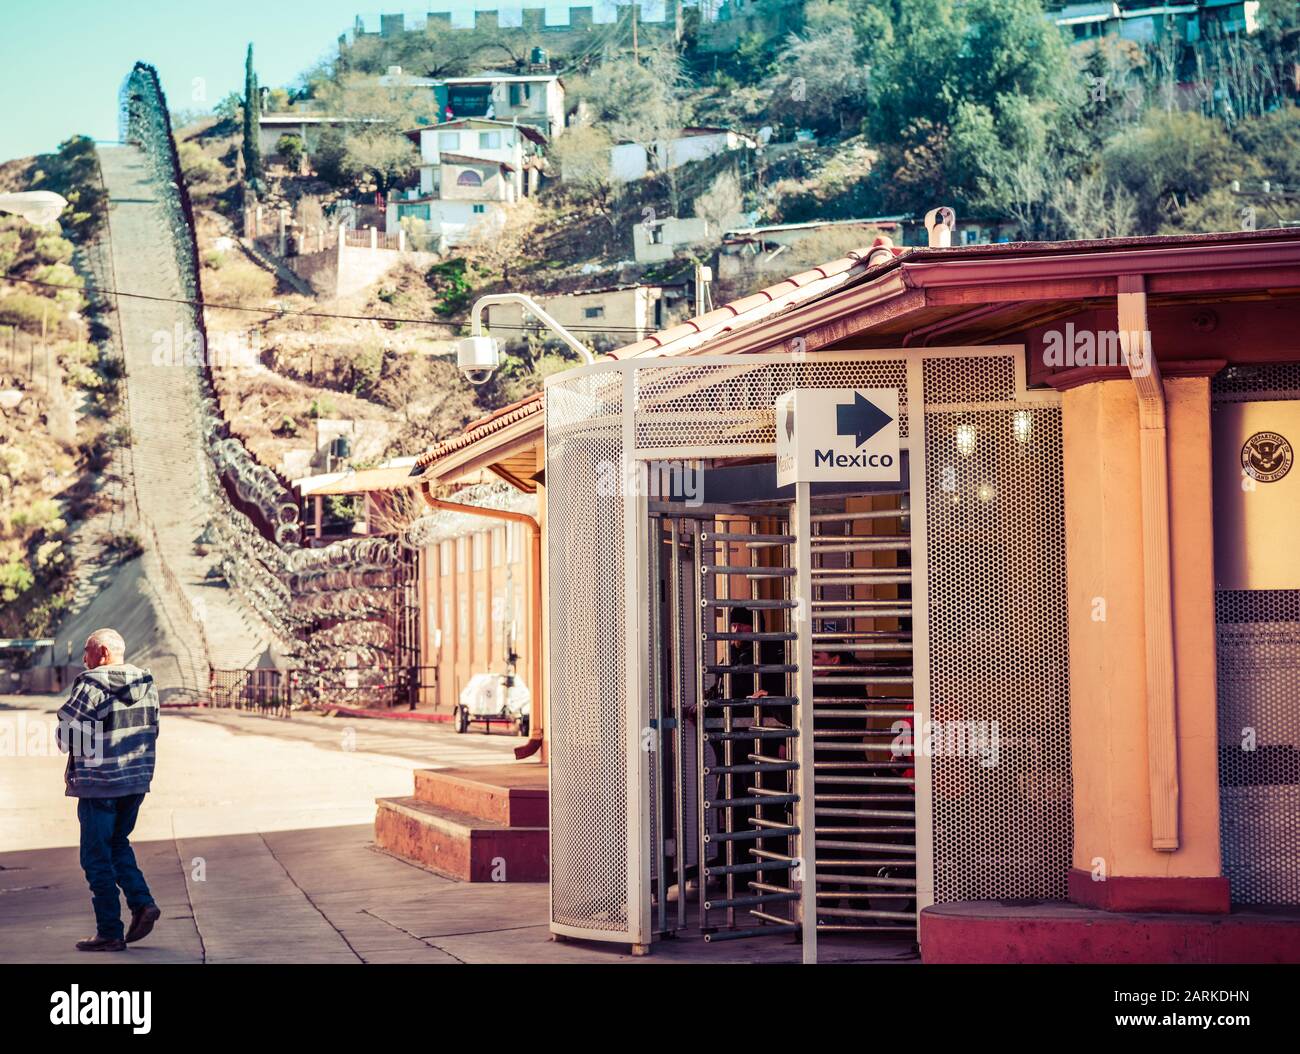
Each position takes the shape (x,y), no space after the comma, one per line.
(965,440)
(1022,425)
(986,492)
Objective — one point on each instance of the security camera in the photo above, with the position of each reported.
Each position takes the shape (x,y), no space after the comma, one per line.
(477,358)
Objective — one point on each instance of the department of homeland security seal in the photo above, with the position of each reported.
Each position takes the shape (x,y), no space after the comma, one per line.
(1266,457)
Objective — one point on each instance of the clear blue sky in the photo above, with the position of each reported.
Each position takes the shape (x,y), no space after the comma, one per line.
(62,61)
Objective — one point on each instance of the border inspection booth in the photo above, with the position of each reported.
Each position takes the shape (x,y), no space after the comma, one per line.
(1027,691)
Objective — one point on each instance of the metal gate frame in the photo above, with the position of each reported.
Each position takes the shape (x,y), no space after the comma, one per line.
(636,611)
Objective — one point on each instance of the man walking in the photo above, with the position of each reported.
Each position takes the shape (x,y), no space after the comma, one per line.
(108,728)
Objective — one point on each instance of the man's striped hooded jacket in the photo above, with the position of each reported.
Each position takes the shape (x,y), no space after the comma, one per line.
(108,728)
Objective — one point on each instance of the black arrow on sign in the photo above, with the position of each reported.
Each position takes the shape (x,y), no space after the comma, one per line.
(861,419)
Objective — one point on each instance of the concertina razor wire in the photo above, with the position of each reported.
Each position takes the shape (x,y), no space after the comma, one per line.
(316,601)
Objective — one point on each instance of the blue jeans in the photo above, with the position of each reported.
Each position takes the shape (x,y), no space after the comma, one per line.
(108,861)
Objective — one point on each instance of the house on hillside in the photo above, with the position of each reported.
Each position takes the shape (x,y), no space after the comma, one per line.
(471,171)
(631,161)
(533,99)
(611,314)
(1149,23)
(306,126)
(657,240)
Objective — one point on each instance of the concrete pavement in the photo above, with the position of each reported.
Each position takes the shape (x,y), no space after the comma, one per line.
(257,841)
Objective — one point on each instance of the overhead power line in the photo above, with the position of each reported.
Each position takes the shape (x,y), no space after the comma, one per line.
(207,304)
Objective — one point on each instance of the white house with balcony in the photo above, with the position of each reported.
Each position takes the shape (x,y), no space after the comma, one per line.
(471,172)
(533,99)
(501,142)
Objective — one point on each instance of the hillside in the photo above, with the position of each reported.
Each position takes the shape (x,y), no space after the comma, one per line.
(850,110)
(63,499)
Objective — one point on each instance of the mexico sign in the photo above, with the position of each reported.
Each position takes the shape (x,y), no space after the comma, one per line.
(837,435)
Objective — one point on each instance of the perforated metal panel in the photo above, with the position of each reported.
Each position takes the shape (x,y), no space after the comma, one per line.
(1249,383)
(588,655)
(998,634)
(1259,743)
(1258,682)
(995,634)
(702,407)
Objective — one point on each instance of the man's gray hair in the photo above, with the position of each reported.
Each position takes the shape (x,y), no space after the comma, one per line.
(110,640)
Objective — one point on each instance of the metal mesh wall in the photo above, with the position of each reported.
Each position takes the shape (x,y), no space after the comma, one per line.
(998,634)
(1258,663)
(589,708)
(1258,670)
(731,406)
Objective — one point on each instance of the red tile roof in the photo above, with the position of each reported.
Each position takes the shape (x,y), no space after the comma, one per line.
(480,429)
(879,251)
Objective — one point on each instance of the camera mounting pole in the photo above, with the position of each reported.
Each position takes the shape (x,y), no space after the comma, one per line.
(476,321)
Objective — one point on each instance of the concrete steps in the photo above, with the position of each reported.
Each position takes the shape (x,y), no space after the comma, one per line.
(484,824)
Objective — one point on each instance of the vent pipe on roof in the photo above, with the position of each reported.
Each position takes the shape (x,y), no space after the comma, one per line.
(940,223)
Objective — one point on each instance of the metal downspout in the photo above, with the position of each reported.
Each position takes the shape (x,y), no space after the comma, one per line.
(1161,688)
(537,730)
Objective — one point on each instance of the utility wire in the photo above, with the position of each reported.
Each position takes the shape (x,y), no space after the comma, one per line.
(101,291)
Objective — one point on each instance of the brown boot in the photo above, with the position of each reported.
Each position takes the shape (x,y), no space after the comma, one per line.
(142,920)
(102,944)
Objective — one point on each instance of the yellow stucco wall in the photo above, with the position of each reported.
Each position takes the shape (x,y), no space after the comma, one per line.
(1107,657)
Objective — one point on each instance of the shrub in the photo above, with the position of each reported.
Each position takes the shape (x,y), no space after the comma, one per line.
(123,546)
(290,147)
(15,579)
(10,246)
(26,311)
(40,515)
(53,249)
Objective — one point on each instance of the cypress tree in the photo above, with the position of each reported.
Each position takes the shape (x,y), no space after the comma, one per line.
(252,116)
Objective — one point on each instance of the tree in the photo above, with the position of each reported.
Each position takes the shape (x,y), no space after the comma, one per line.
(959,77)
(495,248)
(377,156)
(582,155)
(639,102)
(722,201)
(329,158)
(1168,162)
(73,171)
(1273,141)
(819,82)
(437,50)
(252,121)
(229,111)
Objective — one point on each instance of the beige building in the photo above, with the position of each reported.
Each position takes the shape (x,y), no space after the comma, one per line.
(618,313)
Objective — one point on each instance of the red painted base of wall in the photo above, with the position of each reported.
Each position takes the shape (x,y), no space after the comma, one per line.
(1051,932)
(1122,893)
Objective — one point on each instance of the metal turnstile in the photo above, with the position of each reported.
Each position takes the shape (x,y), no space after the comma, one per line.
(725,744)
(725,777)
(864,774)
